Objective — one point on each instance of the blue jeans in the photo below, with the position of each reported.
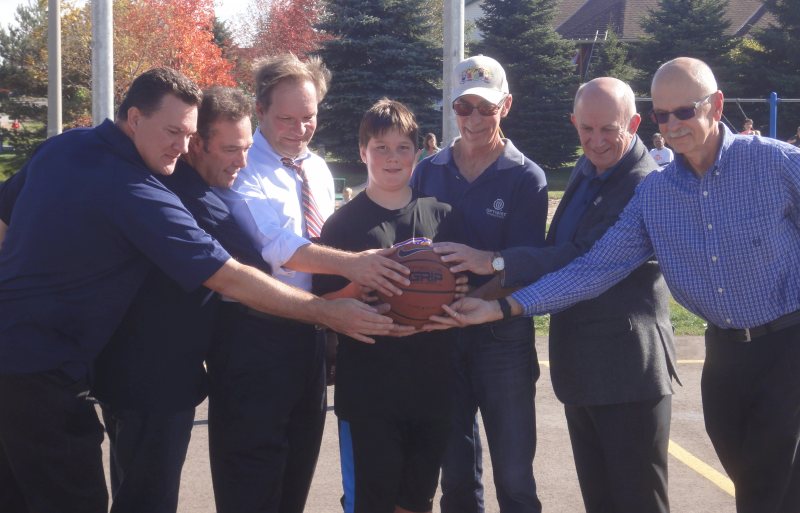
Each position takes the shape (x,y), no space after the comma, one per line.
(495,369)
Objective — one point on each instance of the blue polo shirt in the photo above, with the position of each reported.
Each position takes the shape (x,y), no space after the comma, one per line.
(88,224)
(154,361)
(505,206)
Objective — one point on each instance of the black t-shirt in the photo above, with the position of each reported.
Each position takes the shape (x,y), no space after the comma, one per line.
(396,378)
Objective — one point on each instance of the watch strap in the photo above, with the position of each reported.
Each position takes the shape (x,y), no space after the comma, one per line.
(505,307)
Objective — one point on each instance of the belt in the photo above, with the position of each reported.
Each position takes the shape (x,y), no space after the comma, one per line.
(268,317)
(748,334)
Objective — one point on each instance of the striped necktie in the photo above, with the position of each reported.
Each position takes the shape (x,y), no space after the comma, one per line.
(311,213)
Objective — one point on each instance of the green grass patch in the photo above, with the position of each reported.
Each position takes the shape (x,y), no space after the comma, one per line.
(10,163)
(683,321)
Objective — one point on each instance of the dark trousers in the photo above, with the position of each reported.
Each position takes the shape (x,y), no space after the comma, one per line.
(751,404)
(50,457)
(495,369)
(147,452)
(267,406)
(620,453)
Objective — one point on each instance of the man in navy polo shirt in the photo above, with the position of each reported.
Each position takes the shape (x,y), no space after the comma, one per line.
(90,222)
(502,198)
(150,376)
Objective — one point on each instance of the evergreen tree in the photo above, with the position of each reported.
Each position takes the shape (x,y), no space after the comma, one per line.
(686,28)
(770,62)
(541,77)
(379,48)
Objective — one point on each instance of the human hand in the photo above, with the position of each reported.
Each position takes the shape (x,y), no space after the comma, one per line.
(462,287)
(357,320)
(464,258)
(374,270)
(465,312)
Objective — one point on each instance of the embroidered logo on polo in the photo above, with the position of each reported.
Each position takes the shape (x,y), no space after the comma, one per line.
(496,210)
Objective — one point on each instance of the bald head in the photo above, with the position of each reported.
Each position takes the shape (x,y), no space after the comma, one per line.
(687,86)
(610,91)
(686,70)
(605,116)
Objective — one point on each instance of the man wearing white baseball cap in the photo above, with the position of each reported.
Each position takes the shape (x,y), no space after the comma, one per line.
(501,197)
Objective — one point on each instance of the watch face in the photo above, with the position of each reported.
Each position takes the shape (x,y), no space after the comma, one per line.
(498,264)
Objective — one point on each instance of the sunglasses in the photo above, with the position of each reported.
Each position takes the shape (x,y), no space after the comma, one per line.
(682,114)
(485,108)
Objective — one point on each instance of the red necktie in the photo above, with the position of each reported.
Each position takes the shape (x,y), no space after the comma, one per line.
(311,214)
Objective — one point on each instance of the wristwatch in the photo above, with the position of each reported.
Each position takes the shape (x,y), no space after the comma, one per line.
(498,263)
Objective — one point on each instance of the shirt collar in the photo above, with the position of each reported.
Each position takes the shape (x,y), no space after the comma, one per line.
(260,140)
(727,139)
(511,156)
(590,171)
(121,143)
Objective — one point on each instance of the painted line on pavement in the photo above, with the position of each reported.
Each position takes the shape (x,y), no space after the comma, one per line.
(702,468)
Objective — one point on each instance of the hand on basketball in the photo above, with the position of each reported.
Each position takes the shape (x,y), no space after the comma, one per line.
(462,287)
(463,258)
(358,320)
(465,312)
(373,269)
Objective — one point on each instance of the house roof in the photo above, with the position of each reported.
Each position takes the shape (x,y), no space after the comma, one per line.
(581,19)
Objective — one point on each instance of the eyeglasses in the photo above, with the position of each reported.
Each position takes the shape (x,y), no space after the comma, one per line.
(485,108)
(682,114)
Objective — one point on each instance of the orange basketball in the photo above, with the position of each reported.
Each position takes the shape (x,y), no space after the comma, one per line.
(432,285)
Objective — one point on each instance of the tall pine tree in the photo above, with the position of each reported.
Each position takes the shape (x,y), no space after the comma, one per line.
(379,48)
(686,28)
(541,77)
(771,62)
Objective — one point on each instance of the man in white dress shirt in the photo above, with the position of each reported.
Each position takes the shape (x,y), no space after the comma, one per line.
(267,396)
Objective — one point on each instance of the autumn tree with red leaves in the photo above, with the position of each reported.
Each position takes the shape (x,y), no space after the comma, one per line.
(273,27)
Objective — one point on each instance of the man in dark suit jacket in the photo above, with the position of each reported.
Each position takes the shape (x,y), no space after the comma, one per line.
(612,358)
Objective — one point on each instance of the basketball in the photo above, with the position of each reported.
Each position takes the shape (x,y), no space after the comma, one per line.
(432,285)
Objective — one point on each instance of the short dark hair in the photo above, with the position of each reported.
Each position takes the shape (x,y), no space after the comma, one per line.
(149,88)
(747,120)
(385,115)
(271,71)
(221,103)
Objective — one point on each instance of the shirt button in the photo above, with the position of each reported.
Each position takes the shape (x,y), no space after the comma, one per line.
(728,321)
(714,258)
(709,226)
(720,290)
(705,193)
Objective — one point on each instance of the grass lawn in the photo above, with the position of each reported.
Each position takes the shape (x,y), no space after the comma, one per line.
(10,164)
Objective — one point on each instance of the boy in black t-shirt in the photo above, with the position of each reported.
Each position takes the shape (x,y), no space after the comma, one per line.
(391,397)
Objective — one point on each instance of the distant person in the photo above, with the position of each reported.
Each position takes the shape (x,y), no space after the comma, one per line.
(392,398)
(660,153)
(747,128)
(16,125)
(795,139)
(429,147)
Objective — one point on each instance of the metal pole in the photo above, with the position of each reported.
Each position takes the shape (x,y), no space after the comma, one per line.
(453,54)
(102,61)
(773,115)
(53,68)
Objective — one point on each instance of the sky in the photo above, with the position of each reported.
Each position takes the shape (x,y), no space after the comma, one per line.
(226,9)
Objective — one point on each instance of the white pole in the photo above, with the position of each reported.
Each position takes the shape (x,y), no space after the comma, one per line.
(53,68)
(453,54)
(102,61)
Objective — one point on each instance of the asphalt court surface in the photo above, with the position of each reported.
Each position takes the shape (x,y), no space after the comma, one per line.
(697,482)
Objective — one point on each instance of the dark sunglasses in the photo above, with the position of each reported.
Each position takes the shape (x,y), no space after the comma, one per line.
(485,108)
(683,113)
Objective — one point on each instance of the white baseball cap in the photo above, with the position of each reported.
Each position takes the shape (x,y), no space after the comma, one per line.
(482,76)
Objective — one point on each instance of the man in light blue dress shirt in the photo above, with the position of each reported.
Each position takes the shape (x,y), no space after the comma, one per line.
(722,220)
(267,399)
